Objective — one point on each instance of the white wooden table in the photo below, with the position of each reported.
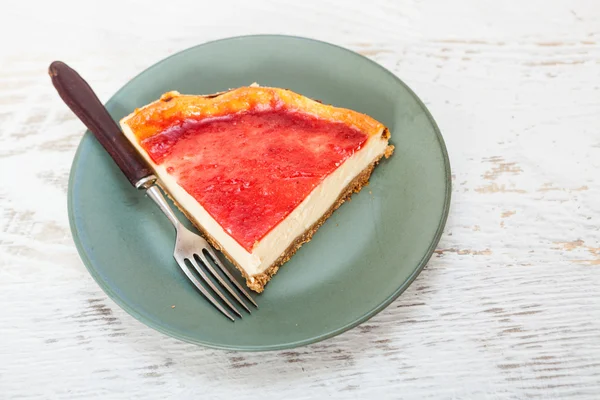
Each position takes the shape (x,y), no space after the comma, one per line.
(508,307)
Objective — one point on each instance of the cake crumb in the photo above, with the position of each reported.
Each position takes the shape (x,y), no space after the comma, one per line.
(389,151)
(166,97)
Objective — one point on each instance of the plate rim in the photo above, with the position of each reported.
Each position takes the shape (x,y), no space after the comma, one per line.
(280,346)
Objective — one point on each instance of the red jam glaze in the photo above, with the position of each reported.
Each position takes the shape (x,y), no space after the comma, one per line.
(250,170)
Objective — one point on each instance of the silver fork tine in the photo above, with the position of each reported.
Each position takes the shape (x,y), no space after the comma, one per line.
(201,288)
(218,263)
(212,285)
(221,281)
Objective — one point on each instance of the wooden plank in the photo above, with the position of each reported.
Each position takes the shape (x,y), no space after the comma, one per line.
(507,308)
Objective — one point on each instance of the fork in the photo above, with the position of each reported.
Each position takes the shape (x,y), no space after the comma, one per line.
(190,248)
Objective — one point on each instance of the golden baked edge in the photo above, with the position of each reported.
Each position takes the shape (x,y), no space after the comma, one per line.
(173,107)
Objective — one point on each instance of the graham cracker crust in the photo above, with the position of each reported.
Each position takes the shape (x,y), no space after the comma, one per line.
(257,282)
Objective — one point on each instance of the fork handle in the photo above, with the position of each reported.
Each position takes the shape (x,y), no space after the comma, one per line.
(82,100)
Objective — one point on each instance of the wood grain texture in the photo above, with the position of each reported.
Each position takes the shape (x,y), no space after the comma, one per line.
(508,307)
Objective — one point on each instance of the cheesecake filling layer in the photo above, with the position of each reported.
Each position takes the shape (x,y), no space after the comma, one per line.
(298,221)
(250,170)
(291,169)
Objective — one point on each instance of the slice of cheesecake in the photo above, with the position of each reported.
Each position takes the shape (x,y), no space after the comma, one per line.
(256,169)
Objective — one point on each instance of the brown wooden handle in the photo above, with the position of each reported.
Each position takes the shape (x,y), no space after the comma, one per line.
(82,100)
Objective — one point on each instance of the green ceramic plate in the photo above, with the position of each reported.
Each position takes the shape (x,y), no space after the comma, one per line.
(360,260)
